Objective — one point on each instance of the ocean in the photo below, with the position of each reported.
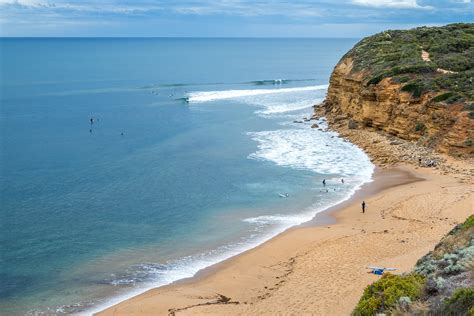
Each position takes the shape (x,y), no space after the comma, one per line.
(128,164)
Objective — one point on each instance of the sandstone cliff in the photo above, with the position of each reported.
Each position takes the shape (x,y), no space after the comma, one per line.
(385,83)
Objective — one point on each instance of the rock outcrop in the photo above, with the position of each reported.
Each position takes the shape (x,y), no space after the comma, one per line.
(384,104)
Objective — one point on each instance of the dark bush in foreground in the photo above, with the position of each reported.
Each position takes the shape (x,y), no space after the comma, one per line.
(460,303)
(442,282)
(386,293)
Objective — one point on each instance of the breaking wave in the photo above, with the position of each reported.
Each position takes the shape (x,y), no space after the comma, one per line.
(206,96)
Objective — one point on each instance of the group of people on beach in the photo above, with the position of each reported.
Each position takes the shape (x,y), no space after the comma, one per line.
(342,181)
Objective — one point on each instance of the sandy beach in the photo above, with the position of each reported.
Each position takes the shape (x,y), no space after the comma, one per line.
(321,269)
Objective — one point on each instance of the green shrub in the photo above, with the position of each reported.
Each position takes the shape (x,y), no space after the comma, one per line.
(420,127)
(469,106)
(386,292)
(415,88)
(468,143)
(442,97)
(403,79)
(448,97)
(468,223)
(460,303)
(375,80)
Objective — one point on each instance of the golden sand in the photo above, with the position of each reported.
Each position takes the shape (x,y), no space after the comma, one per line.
(321,270)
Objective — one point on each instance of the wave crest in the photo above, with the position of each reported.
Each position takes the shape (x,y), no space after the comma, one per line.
(206,96)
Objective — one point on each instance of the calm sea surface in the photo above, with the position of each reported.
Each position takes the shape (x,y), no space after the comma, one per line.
(191,144)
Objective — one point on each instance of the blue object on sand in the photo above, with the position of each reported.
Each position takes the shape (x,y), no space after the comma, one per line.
(379,270)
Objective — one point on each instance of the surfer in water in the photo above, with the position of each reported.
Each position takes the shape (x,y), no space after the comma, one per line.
(324,182)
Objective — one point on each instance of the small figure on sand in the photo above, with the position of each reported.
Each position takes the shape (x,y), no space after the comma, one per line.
(363,206)
(324,182)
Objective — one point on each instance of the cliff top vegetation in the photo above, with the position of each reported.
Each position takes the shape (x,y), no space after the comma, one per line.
(446,69)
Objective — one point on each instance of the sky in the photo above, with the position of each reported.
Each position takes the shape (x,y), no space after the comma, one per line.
(224,18)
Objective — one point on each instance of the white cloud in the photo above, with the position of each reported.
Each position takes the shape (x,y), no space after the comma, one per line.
(84,7)
(24,3)
(396,4)
(204,7)
(249,8)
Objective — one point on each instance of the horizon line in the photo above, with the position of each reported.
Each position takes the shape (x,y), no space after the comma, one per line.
(176,37)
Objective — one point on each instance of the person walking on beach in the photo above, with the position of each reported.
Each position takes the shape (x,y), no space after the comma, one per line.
(363,206)
(324,182)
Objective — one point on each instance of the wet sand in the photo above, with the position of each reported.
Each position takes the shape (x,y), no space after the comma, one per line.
(320,267)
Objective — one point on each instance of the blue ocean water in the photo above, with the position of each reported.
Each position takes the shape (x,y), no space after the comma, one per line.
(192,142)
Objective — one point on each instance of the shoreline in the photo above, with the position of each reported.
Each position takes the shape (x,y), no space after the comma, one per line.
(245,283)
(320,218)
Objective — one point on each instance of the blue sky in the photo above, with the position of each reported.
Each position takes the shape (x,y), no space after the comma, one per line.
(224,18)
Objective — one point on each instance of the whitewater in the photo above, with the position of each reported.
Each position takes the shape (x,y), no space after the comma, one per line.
(294,145)
(194,142)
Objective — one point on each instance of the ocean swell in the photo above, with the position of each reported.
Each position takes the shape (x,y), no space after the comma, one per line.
(297,146)
(206,96)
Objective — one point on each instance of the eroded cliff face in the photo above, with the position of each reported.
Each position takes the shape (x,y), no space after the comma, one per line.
(445,128)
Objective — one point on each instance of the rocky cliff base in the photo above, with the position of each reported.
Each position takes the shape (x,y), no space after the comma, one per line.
(387,150)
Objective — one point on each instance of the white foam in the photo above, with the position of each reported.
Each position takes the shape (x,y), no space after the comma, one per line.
(285,107)
(286,220)
(299,147)
(206,96)
(187,267)
(310,149)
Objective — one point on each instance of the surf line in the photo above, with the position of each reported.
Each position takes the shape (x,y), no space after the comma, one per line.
(206,96)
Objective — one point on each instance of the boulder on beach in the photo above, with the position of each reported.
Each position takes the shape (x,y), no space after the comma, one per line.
(352,124)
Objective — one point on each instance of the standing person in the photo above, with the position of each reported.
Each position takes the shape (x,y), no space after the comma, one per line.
(363,206)
(342,181)
(324,182)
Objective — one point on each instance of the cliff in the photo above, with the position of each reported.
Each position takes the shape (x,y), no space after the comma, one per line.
(416,85)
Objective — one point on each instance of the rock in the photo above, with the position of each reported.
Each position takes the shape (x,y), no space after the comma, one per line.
(314,125)
(340,117)
(352,124)
(297,121)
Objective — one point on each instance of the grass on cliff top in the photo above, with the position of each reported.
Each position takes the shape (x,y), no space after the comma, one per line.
(397,54)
